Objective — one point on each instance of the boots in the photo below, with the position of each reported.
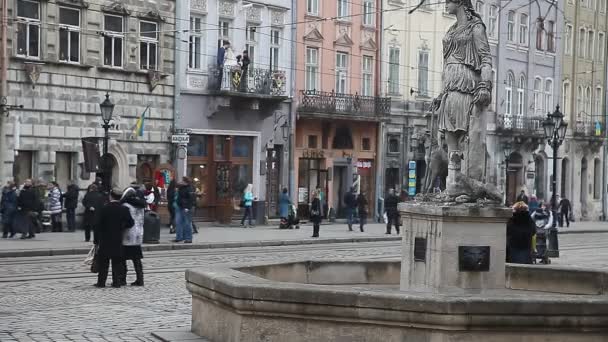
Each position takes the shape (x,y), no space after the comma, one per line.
(350,227)
(315,230)
(139,272)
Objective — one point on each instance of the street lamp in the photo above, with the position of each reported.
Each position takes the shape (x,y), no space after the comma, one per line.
(507,149)
(554,128)
(285,130)
(107,109)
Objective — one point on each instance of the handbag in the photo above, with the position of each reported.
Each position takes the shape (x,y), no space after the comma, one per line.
(92,259)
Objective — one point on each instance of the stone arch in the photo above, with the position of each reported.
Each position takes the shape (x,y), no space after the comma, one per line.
(120,170)
(540,176)
(565,178)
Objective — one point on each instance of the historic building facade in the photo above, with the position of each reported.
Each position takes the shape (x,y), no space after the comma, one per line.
(581,171)
(238,119)
(64,56)
(339,112)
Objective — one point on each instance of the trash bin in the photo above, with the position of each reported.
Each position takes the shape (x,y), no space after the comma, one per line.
(151,227)
(259,212)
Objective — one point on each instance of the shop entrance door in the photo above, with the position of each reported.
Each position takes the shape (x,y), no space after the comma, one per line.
(273,179)
(340,188)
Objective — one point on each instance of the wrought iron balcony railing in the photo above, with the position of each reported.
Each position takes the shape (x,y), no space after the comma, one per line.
(312,101)
(520,125)
(254,81)
(588,129)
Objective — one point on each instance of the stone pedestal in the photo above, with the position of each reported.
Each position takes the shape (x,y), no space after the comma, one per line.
(458,248)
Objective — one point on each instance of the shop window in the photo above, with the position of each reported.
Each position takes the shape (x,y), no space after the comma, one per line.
(393,145)
(198,146)
(312,141)
(366,144)
(343,139)
(242,146)
(221,141)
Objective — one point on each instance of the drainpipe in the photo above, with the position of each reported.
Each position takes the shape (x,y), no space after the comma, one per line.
(3,87)
(292,106)
(180,158)
(380,162)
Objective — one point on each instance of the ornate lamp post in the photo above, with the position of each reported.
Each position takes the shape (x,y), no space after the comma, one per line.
(107,109)
(555,131)
(507,149)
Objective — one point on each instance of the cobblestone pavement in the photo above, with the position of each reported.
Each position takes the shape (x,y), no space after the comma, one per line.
(52,299)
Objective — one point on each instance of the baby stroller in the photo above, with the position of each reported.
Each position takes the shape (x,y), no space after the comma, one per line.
(45,220)
(542,224)
(292,219)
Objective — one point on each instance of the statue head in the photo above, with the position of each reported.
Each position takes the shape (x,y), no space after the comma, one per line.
(453,6)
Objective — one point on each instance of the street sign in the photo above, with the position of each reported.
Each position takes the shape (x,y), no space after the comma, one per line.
(180,138)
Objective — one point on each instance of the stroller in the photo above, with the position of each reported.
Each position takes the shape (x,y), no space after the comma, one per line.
(292,219)
(543,223)
(45,221)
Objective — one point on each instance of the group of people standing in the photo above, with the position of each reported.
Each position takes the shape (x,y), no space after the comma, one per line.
(564,207)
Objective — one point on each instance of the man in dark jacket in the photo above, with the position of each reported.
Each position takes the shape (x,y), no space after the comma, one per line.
(28,205)
(522,197)
(114,219)
(565,207)
(92,202)
(170,200)
(350,200)
(70,202)
(183,211)
(8,208)
(392,213)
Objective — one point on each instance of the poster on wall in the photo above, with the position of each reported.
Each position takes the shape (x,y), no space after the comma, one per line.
(411,186)
(302,195)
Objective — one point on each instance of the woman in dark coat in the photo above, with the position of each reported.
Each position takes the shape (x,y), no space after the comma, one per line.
(170,199)
(315,213)
(520,230)
(8,208)
(362,210)
(93,201)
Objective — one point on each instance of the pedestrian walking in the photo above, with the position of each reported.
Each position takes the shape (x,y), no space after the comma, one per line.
(28,205)
(315,214)
(70,202)
(522,197)
(533,204)
(247,205)
(565,210)
(133,237)
(92,202)
(284,203)
(53,205)
(520,230)
(350,200)
(114,219)
(362,205)
(183,204)
(392,213)
(171,193)
(8,208)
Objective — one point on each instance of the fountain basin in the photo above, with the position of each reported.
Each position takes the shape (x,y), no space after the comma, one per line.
(361,301)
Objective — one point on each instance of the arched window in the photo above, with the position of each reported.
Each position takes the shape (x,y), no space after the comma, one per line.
(597,179)
(509,94)
(566,96)
(581,42)
(598,102)
(588,101)
(549,94)
(538,96)
(579,99)
(590,41)
(511,26)
(520,95)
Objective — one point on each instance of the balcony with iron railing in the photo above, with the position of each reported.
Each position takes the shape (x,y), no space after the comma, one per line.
(331,104)
(256,82)
(588,130)
(520,126)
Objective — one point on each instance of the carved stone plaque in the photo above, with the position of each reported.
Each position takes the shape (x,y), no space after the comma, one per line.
(198,5)
(419,249)
(474,258)
(226,9)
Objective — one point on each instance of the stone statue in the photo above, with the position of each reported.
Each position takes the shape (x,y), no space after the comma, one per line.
(467,92)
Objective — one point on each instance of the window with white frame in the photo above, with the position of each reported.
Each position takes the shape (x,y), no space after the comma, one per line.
(423,72)
(251,42)
(550,28)
(549,94)
(393,70)
(196,42)
(511,26)
(493,21)
(538,96)
(602,6)
(148,45)
(312,68)
(579,100)
(342,8)
(568,35)
(367,70)
(566,96)
(28,28)
(590,41)
(523,29)
(582,35)
(341,72)
(540,33)
(275,45)
(598,101)
(480,9)
(521,86)
(588,101)
(113,39)
(224,32)
(368,12)
(69,34)
(312,7)
(509,94)
(601,45)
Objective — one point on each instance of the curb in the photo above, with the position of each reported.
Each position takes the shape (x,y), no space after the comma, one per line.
(212,245)
(582,231)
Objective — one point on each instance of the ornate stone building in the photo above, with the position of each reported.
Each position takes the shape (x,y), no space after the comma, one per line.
(64,56)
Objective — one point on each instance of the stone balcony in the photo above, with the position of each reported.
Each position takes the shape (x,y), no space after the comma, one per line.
(332,105)
(591,132)
(521,130)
